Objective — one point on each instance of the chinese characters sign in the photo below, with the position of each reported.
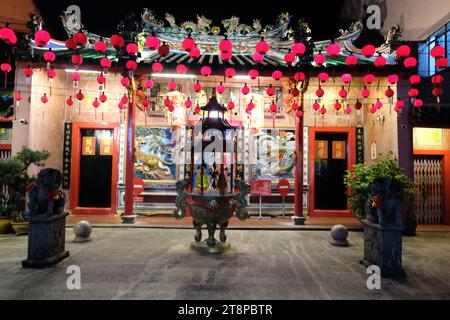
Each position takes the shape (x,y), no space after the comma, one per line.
(106,146)
(339,151)
(321,149)
(67,155)
(88,146)
(359,145)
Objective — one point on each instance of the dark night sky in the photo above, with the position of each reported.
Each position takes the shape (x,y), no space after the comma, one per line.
(101,17)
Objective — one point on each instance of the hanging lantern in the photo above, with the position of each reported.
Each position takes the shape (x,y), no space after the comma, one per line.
(415,79)
(152,43)
(358,105)
(299,76)
(195,53)
(365,93)
(197,87)
(117,41)
(413,93)
(319,92)
(418,103)
(316,106)
(248,111)
(258,57)
(80,38)
(164,50)
(205,71)
(245,89)
(8,35)
(437,79)
(346,78)
(77,59)
(380,62)
(373,109)
(368,51)
(262,47)
(393,79)
(295,106)
(369,79)
(146,104)
(378,104)
(230,105)
(270,91)
(100,46)
(333,50)
(437,51)
(121,106)
(320,59)
(323,110)
(273,108)
(226,56)
(41,37)
(403,51)
(289,57)
(188,103)
(389,94)
(298,49)
(105,63)
(132,49)
(148,84)
(351,60)
(70,44)
(69,101)
(96,104)
(181,68)
(172,85)
(399,104)
(101,79)
(220,88)
(299,114)
(441,63)
(131,65)
(277,75)
(295,92)
(76,76)
(44,98)
(167,102)
(348,110)
(253,74)
(171,108)
(438,93)
(410,62)
(197,109)
(79,96)
(343,93)
(225,45)
(323,77)
(157,67)
(125,81)
(28,72)
(51,73)
(6,67)
(49,56)
(251,105)
(18,97)
(188,44)
(230,72)
(124,100)
(337,106)
(103,97)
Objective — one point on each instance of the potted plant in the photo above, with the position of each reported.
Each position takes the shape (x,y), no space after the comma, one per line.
(14,175)
(362,176)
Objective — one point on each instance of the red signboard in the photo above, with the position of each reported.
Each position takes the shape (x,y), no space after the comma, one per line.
(284,187)
(106,146)
(261,187)
(138,186)
(88,146)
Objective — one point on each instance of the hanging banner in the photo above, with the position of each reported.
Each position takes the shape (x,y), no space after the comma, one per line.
(67,155)
(321,149)
(359,145)
(106,144)
(88,146)
(339,152)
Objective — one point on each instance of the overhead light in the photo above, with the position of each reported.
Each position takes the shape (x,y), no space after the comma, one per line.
(173,76)
(83,71)
(242,77)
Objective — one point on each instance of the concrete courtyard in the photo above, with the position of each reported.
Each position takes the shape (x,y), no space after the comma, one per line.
(145,263)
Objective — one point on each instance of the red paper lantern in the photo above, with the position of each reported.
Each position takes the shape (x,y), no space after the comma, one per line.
(131,65)
(132,49)
(258,57)
(365,93)
(197,87)
(164,50)
(105,62)
(230,72)
(188,103)
(197,109)
(333,50)
(323,77)
(413,92)
(320,93)
(441,63)
(351,60)
(100,46)
(437,79)
(270,91)
(125,81)
(80,38)
(348,109)
(320,59)
(172,85)
(343,93)
(195,53)
(298,49)
(44,98)
(8,35)
(181,68)
(188,44)
(277,75)
(295,106)
(380,62)
(415,79)
(205,71)
(103,97)
(124,100)
(220,88)
(171,108)
(393,79)
(121,106)
(28,72)
(368,51)
(337,105)
(70,44)
(438,92)
(253,74)
(167,102)
(152,43)
(289,57)
(146,103)
(437,51)
(323,111)
(148,84)
(75,76)
(101,79)
(96,104)
(403,51)
(418,103)
(399,104)
(51,73)
(389,92)
(251,105)
(346,78)
(41,37)
(295,92)
(299,76)
(410,62)
(225,45)
(79,96)
(262,47)
(369,78)
(77,59)
(316,106)
(230,105)
(226,56)
(18,96)
(6,67)
(69,101)
(373,109)
(157,67)
(358,105)
(299,114)
(49,56)
(245,89)
(273,108)
(117,41)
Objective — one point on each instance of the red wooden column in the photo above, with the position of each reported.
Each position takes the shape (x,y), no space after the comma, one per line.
(298,187)
(129,171)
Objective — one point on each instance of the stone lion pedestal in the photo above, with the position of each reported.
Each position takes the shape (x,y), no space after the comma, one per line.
(383,247)
(46,241)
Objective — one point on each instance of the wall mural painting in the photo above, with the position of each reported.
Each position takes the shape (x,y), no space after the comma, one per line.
(274,155)
(155,154)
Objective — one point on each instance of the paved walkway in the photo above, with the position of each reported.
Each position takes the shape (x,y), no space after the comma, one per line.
(142,263)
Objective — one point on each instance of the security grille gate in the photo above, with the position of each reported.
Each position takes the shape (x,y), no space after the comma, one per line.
(4,155)
(428,176)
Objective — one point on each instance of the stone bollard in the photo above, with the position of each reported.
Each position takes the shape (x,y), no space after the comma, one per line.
(82,230)
(339,235)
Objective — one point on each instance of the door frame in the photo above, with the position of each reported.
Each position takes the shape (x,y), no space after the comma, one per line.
(75,170)
(445,178)
(351,161)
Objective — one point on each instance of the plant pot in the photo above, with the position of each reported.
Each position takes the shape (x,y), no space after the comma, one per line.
(20,228)
(5,225)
